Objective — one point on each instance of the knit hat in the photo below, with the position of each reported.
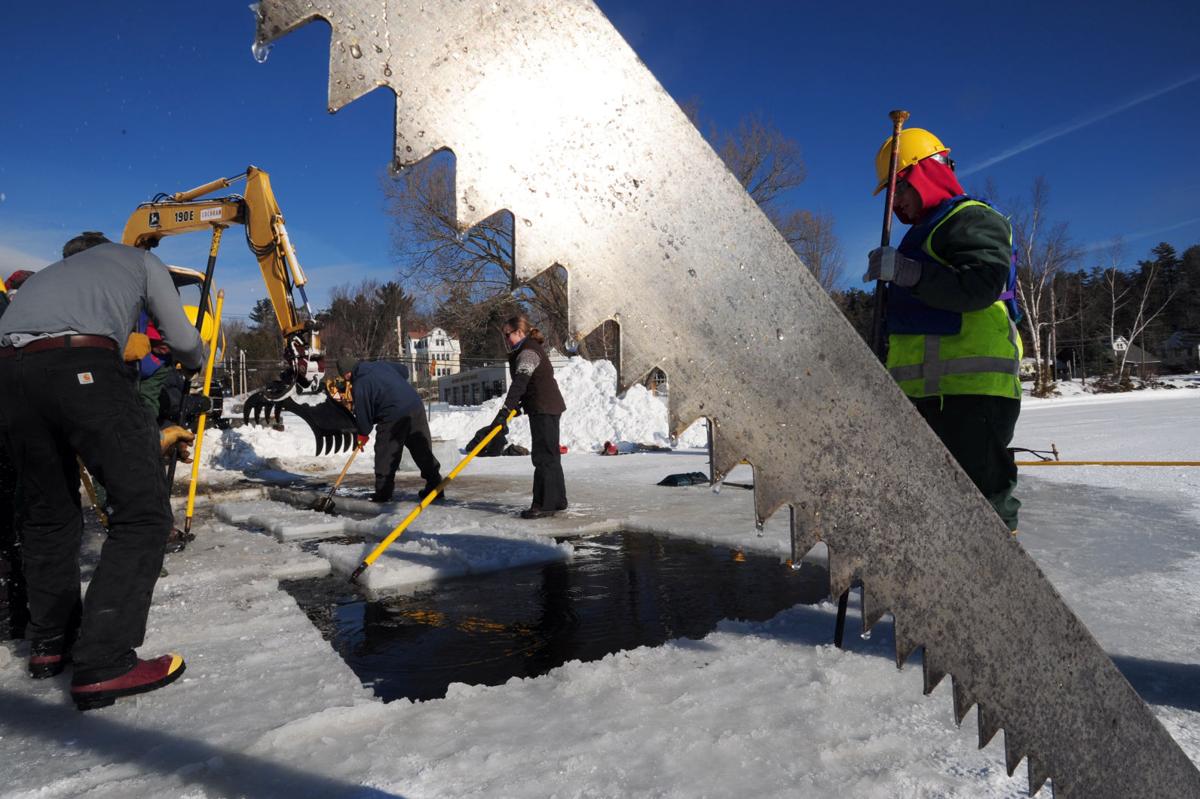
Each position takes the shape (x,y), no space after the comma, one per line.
(17,278)
(934,181)
(346,363)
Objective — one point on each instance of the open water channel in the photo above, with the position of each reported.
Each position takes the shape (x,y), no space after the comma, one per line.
(620,591)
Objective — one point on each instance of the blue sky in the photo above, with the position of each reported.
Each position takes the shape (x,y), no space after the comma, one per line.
(106,104)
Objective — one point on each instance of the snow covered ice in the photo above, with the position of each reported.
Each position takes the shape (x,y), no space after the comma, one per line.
(267,708)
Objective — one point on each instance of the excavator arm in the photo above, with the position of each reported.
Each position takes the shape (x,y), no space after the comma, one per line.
(261,219)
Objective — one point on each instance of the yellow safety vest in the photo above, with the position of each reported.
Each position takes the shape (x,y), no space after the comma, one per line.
(983,357)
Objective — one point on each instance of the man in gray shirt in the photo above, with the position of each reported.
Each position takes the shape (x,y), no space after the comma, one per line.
(67,393)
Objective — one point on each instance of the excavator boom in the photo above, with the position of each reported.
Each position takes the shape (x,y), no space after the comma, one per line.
(258,213)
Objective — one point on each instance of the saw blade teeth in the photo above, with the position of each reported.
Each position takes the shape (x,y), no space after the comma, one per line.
(1038,774)
(638,357)
(875,606)
(1014,751)
(963,700)
(668,243)
(682,407)
(725,455)
(584,318)
(906,644)
(988,725)
(931,672)
(841,574)
(770,494)
(803,532)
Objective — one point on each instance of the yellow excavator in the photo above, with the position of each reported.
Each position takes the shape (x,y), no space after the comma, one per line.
(257,211)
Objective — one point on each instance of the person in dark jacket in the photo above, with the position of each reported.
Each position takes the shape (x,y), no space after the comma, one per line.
(68,394)
(535,391)
(953,345)
(12,576)
(384,398)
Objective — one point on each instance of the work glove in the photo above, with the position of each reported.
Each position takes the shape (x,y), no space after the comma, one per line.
(193,405)
(177,438)
(137,346)
(502,420)
(361,441)
(885,264)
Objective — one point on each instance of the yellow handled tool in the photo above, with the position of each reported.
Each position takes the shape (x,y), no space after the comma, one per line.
(430,497)
(325,503)
(91,492)
(208,370)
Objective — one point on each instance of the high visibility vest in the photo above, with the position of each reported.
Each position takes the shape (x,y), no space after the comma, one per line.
(982,358)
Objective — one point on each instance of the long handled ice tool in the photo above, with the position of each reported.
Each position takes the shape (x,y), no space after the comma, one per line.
(430,497)
(208,370)
(878,340)
(91,492)
(325,503)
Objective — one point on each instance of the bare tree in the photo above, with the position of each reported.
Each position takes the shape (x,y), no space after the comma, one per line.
(1118,289)
(764,161)
(361,319)
(1044,248)
(473,270)
(1145,311)
(768,164)
(811,236)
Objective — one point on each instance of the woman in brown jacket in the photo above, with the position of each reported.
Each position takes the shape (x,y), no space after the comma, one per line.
(534,391)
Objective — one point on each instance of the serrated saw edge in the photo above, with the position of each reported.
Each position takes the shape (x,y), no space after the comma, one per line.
(552,116)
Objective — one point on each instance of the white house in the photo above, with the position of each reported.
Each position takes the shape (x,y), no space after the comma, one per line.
(474,386)
(432,352)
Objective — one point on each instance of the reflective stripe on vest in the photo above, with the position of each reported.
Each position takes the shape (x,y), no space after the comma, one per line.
(933,368)
(916,361)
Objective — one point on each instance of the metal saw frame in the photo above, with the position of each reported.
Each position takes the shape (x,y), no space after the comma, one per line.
(551,116)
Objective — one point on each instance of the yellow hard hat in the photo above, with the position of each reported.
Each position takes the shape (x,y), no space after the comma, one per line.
(915,145)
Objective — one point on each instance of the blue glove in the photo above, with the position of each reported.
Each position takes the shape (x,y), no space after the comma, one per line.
(885,264)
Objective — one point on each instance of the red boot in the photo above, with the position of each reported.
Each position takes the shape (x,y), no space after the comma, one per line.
(147,675)
(48,658)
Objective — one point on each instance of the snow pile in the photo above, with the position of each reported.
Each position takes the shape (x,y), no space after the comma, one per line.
(253,447)
(595,414)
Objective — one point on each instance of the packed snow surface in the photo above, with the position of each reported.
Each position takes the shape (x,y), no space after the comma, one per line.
(268,709)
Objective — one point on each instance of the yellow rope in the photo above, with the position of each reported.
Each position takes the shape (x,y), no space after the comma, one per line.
(1108,463)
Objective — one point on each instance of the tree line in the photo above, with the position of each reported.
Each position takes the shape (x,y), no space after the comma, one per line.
(1076,301)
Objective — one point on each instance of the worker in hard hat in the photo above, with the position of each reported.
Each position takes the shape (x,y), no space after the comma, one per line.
(951,314)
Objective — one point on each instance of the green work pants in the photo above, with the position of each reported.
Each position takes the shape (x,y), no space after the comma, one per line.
(978,430)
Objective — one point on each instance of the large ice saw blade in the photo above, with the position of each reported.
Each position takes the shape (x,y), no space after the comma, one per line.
(552,116)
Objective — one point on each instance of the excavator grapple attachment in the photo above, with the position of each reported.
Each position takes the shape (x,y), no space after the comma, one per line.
(552,116)
(332,425)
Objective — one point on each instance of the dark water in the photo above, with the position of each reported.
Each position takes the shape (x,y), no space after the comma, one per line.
(621,591)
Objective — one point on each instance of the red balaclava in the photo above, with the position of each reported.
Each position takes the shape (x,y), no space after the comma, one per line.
(934,181)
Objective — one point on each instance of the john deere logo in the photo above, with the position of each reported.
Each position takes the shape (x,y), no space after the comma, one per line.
(154,219)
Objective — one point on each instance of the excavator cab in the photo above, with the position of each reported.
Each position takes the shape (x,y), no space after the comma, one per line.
(189,283)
